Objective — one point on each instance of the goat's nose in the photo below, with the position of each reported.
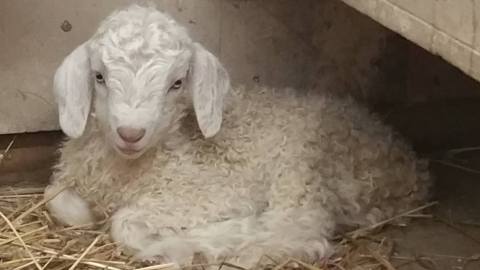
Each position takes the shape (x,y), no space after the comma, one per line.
(131,135)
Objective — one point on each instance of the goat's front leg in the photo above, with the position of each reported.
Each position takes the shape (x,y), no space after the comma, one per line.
(244,240)
(67,206)
(299,232)
(148,235)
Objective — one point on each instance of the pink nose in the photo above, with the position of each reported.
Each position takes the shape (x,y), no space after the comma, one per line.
(131,135)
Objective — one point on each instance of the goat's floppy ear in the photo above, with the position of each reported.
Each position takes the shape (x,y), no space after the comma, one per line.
(72,90)
(209,83)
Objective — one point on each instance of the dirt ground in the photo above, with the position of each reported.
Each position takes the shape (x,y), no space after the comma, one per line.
(451,239)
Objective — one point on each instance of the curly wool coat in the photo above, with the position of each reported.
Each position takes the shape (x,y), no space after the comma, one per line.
(284,171)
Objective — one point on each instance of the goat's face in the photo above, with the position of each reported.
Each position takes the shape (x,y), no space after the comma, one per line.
(143,72)
(139,98)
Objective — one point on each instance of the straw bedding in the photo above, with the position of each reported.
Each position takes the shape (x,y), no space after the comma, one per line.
(29,239)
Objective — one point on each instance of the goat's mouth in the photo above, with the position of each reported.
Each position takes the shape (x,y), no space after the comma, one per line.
(129,151)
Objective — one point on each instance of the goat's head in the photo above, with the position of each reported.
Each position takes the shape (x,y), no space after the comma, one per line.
(138,74)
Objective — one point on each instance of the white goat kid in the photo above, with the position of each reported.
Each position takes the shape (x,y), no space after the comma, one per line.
(143,105)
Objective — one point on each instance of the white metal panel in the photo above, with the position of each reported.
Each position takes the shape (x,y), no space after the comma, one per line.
(449,28)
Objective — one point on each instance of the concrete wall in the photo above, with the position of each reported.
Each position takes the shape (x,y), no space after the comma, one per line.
(310,43)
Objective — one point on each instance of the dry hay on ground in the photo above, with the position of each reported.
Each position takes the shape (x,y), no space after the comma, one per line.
(29,239)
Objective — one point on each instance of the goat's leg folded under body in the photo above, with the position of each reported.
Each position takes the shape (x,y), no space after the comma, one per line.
(300,233)
(66,206)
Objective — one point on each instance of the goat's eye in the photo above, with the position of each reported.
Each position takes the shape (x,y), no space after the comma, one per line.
(99,78)
(176,85)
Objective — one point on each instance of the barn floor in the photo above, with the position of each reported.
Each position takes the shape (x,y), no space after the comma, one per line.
(448,240)
(451,239)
